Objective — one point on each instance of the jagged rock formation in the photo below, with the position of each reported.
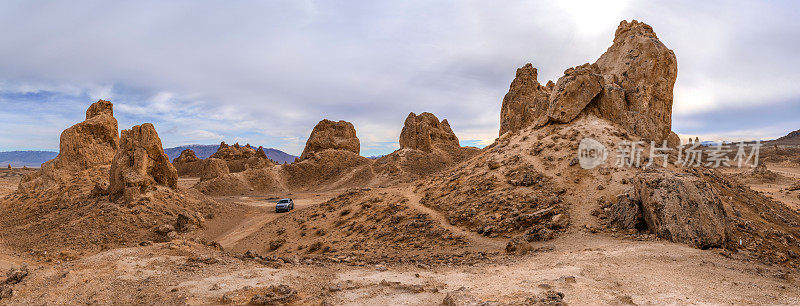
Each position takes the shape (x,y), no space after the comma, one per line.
(573,92)
(630,85)
(424,132)
(332,135)
(213,168)
(65,207)
(83,146)
(140,164)
(427,145)
(188,164)
(525,101)
(240,158)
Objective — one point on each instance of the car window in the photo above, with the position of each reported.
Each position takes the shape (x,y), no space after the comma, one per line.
(283,201)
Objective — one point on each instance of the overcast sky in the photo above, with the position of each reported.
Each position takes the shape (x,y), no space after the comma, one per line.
(265,72)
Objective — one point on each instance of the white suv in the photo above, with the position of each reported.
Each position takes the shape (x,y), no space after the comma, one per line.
(284,205)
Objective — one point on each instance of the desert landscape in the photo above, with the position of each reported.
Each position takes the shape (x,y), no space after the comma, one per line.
(526,220)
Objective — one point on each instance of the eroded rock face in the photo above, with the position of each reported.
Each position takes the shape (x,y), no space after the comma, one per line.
(213,168)
(240,158)
(140,164)
(682,208)
(85,145)
(630,85)
(424,132)
(646,70)
(188,163)
(526,100)
(333,135)
(573,91)
(186,157)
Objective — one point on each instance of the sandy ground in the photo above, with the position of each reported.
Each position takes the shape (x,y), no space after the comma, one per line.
(587,268)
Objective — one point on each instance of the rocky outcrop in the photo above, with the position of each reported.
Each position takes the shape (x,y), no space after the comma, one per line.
(681,208)
(188,164)
(186,156)
(88,144)
(630,85)
(573,91)
(213,168)
(646,71)
(332,135)
(525,101)
(425,132)
(140,165)
(240,158)
(673,141)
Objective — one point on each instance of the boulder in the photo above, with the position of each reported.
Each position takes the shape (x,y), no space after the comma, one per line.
(424,132)
(626,213)
(682,208)
(86,145)
(213,168)
(573,91)
(525,101)
(140,164)
(332,135)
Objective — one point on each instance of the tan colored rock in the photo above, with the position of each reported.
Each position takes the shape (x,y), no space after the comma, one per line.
(682,208)
(260,153)
(332,135)
(673,141)
(188,164)
(85,145)
(573,91)
(630,85)
(213,168)
(186,157)
(240,158)
(234,152)
(525,101)
(643,70)
(140,164)
(424,132)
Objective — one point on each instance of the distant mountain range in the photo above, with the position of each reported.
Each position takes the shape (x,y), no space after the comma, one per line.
(37,158)
(204,151)
(25,158)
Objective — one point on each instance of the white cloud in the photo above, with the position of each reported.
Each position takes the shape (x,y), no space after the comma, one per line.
(269,71)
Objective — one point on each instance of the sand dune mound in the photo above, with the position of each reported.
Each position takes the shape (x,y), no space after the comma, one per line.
(75,214)
(427,146)
(188,164)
